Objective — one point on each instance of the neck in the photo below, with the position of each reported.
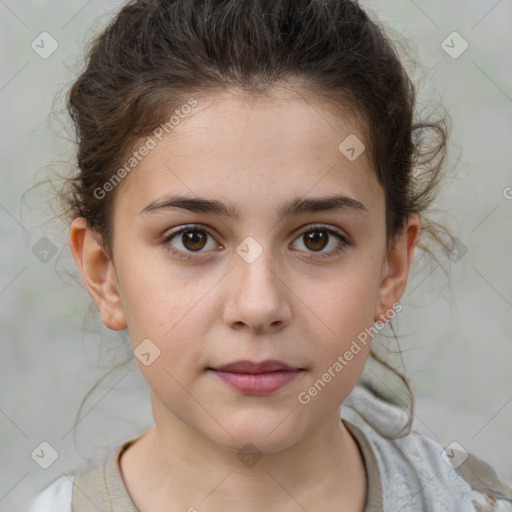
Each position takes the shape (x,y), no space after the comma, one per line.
(174,464)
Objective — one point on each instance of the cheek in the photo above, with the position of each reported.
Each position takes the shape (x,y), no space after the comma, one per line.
(158,296)
(173,335)
(344,316)
(346,301)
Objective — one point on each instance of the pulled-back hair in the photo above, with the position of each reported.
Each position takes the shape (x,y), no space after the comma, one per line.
(156,54)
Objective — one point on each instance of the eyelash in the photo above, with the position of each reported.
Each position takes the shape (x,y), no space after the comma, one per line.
(344,242)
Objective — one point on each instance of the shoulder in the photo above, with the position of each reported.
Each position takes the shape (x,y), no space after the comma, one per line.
(56,497)
(419,474)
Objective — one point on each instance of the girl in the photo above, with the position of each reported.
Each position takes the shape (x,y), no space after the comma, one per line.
(251,188)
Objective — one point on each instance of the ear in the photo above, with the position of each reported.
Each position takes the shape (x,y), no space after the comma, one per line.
(396,268)
(98,273)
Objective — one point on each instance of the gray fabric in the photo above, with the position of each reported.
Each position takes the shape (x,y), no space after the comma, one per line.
(413,473)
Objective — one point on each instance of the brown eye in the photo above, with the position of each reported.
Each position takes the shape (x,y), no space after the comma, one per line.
(193,240)
(316,240)
(188,240)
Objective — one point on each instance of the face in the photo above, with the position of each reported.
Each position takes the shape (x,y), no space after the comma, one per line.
(245,276)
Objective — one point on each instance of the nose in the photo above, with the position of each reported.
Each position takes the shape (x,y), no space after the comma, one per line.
(257,297)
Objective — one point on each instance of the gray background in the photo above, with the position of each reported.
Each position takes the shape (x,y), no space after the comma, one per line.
(456,334)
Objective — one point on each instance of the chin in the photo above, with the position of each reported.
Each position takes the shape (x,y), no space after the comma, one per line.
(257,444)
(270,435)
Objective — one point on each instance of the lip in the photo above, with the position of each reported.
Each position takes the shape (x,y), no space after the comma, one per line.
(257,378)
(269,365)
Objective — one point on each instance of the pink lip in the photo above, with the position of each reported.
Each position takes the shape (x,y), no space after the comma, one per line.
(258,383)
(257,378)
(270,365)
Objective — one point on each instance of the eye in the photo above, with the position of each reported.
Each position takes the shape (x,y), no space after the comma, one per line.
(189,239)
(318,238)
(185,241)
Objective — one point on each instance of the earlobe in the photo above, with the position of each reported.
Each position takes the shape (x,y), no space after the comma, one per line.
(98,274)
(396,268)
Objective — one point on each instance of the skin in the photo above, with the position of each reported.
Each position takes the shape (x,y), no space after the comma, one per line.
(257,153)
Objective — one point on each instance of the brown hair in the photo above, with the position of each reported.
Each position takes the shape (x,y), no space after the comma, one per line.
(157,53)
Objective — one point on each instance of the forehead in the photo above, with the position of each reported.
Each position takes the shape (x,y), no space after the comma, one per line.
(261,149)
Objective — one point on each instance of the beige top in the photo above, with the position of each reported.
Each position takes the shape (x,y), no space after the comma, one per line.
(101,488)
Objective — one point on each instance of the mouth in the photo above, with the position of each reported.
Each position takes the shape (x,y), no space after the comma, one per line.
(270,365)
(257,378)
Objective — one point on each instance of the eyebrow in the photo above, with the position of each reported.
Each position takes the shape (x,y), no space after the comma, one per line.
(298,206)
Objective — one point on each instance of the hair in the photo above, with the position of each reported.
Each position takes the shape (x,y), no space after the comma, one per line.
(156,54)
